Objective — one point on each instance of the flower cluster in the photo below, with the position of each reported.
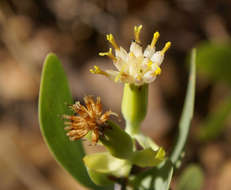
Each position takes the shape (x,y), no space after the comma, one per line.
(136,66)
(90,118)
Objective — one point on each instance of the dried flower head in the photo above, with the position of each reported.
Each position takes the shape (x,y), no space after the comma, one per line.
(87,118)
(134,67)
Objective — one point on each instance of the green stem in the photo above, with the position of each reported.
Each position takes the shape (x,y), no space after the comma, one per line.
(134,106)
(132,128)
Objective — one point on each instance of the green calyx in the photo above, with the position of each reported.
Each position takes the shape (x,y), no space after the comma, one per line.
(134,106)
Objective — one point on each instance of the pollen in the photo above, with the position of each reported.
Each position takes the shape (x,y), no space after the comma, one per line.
(111,39)
(88,118)
(137,30)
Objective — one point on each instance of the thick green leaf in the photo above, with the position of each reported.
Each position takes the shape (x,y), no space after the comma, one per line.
(148,157)
(187,113)
(53,100)
(117,141)
(146,142)
(105,163)
(123,149)
(157,178)
(214,124)
(191,179)
(100,179)
(214,61)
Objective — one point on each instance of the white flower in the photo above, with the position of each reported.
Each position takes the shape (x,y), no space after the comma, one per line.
(134,67)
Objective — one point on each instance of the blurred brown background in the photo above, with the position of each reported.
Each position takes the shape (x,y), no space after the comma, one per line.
(75,30)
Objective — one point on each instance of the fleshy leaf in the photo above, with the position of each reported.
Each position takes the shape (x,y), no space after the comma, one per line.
(106,163)
(155,178)
(53,100)
(191,179)
(100,179)
(148,157)
(117,141)
(187,113)
(103,165)
(146,142)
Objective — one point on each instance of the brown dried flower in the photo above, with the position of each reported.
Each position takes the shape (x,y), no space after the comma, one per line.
(89,118)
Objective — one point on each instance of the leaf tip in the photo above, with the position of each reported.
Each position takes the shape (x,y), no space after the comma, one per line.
(51,58)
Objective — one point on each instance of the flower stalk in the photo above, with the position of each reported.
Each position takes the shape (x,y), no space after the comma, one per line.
(134,106)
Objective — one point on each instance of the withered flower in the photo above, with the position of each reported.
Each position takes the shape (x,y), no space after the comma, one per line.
(88,118)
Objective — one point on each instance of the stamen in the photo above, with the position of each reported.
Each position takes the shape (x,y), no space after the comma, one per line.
(149,63)
(119,74)
(157,71)
(137,30)
(156,35)
(166,47)
(118,77)
(131,54)
(139,78)
(98,71)
(70,117)
(111,39)
(109,54)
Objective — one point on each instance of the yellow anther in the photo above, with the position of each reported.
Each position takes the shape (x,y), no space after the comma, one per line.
(97,70)
(166,47)
(109,54)
(156,35)
(111,39)
(149,63)
(131,54)
(157,71)
(139,78)
(137,30)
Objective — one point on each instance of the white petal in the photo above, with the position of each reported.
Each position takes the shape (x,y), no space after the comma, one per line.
(145,63)
(132,70)
(148,52)
(148,77)
(122,54)
(136,49)
(119,64)
(112,74)
(158,58)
